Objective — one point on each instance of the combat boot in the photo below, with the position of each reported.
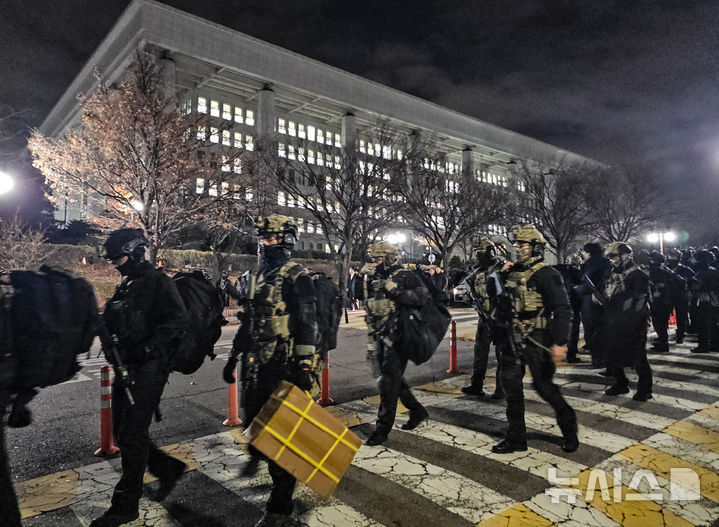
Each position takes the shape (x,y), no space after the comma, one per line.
(377,437)
(472,389)
(642,396)
(616,389)
(506,447)
(415,419)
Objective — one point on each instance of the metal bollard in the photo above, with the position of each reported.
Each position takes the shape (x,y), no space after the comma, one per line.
(233,419)
(325,399)
(453,369)
(107,447)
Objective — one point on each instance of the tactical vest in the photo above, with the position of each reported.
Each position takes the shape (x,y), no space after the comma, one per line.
(616,281)
(480,287)
(272,320)
(378,308)
(528,302)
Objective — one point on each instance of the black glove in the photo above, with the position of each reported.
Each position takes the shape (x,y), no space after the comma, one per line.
(303,376)
(229,370)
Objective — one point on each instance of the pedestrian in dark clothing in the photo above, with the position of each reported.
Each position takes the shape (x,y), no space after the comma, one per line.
(596,268)
(665,286)
(148,317)
(533,327)
(276,341)
(439,279)
(682,299)
(352,288)
(572,277)
(705,289)
(623,333)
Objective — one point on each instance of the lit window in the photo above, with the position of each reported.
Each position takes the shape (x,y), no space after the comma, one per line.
(300,224)
(227,111)
(199,185)
(310,227)
(338,140)
(237,168)
(311,130)
(290,151)
(236,194)
(399,154)
(225,164)
(225,188)
(377,149)
(201,133)
(318,228)
(226,137)
(250,117)
(301,131)
(328,160)
(290,200)
(202,105)
(213,190)
(281,150)
(387,152)
(320,136)
(337,162)
(301,154)
(281,126)
(238,114)
(248,195)
(362,146)
(291,128)
(311,157)
(214,135)
(214,108)
(249,145)
(328,138)
(238,139)
(320,159)
(281,199)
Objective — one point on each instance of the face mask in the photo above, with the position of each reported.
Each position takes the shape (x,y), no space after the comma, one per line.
(274,256)
(126,268)
(524,252)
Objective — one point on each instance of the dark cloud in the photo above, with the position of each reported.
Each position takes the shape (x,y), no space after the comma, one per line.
(615,80)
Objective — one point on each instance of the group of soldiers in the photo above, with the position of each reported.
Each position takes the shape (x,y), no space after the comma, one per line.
(524,309)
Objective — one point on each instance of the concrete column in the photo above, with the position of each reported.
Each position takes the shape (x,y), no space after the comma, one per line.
(169,76)
(349,130)
(266,112)
(467,163)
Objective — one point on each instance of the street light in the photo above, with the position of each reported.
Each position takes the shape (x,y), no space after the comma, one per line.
(654,237)
(396,238)
(6,183)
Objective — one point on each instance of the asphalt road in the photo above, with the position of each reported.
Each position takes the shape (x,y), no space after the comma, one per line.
(65,430)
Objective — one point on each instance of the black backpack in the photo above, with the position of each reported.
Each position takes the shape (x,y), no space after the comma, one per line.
(53,317)
(422,329)
(204,305)
(328,310)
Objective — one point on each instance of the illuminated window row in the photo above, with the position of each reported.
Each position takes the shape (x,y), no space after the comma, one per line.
(226,111)
(491,177)
(229,138)
(202,186)
(377,150)
(309,132)
(308,156)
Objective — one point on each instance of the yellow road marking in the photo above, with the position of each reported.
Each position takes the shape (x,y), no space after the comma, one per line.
(47,493)
(516,516)
(694,434)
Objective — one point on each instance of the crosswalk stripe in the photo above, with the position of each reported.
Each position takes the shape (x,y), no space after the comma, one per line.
(686,449)
(694,433)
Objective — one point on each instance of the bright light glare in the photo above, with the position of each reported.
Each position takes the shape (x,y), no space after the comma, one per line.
(6,183)
(669,237)
(652,237)
(137,205)
(396,238)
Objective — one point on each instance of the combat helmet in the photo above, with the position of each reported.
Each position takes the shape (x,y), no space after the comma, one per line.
(282,226)
(617,249)
(531,235)
(388,251)
(705,256)
(126,242)
(656,258)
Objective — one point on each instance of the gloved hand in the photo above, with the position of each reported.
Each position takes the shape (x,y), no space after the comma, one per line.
(229,370)
(390,286)
(303,375)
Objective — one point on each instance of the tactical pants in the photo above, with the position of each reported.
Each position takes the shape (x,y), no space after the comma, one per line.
(392,386)
(482,343)
(707,325)
(591,314)
(269,377)
(542,369)
(681,306)
(9,511)
(660,320)
(576,320)
(693,315)
(641,366)
(131,425)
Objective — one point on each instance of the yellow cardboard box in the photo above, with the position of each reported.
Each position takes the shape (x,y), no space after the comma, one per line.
(303,438)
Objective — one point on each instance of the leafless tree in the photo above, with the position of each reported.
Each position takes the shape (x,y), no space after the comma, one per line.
(623,202)
(22,247)
(552,197)
(144,154)
(443,204)
(345,191)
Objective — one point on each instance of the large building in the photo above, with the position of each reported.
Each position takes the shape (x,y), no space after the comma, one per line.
(262,89)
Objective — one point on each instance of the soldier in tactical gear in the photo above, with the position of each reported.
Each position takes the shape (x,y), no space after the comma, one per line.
(705,289)
(276,341)
(665,287)
(572,276)
(595,271)
(484,296)
(146,316)
(623,335)
(533,327)
(388,287)
(682,299)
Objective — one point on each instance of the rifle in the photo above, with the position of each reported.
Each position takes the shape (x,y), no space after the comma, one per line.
(601,298)
(506,316)
(476,302)
(111,342)
(250,364)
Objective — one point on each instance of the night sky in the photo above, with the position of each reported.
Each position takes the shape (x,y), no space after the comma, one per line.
(626,81)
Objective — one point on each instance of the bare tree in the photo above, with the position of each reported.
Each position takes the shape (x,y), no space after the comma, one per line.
(624,202)
(553,199)
(22,247)
(346,192)
(143,154)
(440,202)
